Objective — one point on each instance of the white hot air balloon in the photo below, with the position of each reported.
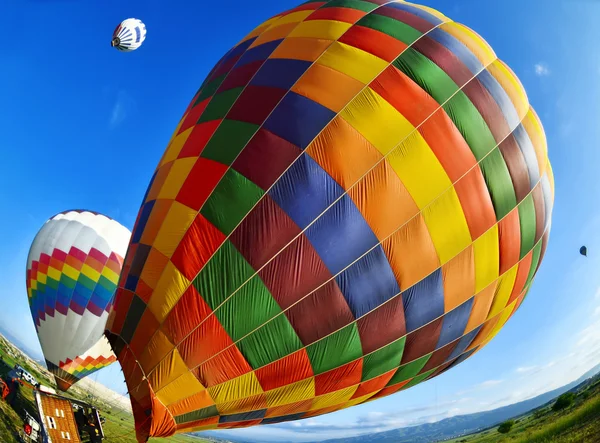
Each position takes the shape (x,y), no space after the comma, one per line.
(72,272)
(129,35)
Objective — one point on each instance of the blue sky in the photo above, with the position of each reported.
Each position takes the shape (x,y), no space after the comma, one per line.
(84,126)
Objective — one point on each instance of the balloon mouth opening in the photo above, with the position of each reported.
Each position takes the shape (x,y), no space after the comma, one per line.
(115,42)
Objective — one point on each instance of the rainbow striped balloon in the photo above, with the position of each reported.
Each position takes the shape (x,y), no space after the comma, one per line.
(356,200)
(72,273)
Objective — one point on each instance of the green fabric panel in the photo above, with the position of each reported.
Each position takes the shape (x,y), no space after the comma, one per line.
(220,104)
(527,219)
(383,360)
(210,88)
(471,125)
(104,282)
(199,414)
(273,341)
(409,370)
(419,379)
(248,309)
(228,141)
(223,274)
(335,350)
(499,184)
(537,252)
(394,28)
(353,4)
(51,283)
(429,76)
(85,281)
(231,201)
(69,282)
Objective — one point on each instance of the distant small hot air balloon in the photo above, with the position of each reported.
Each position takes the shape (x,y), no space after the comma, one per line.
(583,251)
(129,35)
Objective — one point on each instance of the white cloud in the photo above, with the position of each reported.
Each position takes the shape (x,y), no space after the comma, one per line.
(524,369)
(541,69)
(489,383)
(122,108)
(597,312)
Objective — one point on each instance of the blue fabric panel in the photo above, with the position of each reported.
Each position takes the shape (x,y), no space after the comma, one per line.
(305,190)
(146,210)
(368,283)
(258,53)
(280,73)
(341,235)
(131,282)
(500,97)
(237,50)
(458,49)
(244,416)
(455,323)
(284,418)
(464,343)
(298,119)
(526,146)
(63,295)
(416,11)
(424,301)
(81,295)
(460,359)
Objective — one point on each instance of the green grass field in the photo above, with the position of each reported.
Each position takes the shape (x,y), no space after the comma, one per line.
(580,423)
(119,426)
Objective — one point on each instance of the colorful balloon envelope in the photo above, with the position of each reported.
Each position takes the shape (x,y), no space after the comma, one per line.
(356,200)
(72,273)
(129,35)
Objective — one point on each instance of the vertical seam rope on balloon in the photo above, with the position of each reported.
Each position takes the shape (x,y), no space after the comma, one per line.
(304,347)
(341,196)
(261,125)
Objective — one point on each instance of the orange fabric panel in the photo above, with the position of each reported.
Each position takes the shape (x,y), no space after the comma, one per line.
(144,331)
(153,268)
(340,378)
(159,179)
(411,268)
(292,408)
(301,48)
(157,216)
(328,87)
(199,423)
(343,152)
(205,341)
(163,423)
(288,370)
(481,307)
(189,311)
(346,15)
(373,385)
(193,403)
(243,424)
(323,411)
(522,274)
(483,334)
(459,279)
(143,291)
(509,232)
(476,202)
(228,365)
(158,348)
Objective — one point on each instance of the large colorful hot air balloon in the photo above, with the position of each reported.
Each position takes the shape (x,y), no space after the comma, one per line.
(72,273)
(356,200)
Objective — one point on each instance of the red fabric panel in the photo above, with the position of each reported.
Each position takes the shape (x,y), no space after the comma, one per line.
(194,115)
(264,232)
(509,232)
(516,166)
(204,342)
(320,314)
(124,298)
(340,378)
(406,17)
(390,390)
(265,158)
(382,326)
(540,212)
(422,341)
(188,312)
(521,279)
(288,370)
(439,357)
(240,76)
(228,365)
(143,291)
(255,104)
(144,331)
(449,62)
(200,183)
(489,109)
(346,15)
(476,202)
(303,268)
(198,139)
(197,246)
(374,42)
(374,384)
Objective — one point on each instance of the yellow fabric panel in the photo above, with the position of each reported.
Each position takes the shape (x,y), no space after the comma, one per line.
(174,226)
(503,291)
(246,385)
(504,316)
(168,291)
(323,29)
(177,176)
(41,277)
(478,46)
(412,161)
(275,33)
(487,258)
(535,131)
(246,404)
(447,225)
(294,17)
(378,121)
(260,29)
(159,179)
(359,400)
(333,398)
(353,62)
(292,393)
(175,146)
(55,273)
(511,85)
(158,347)
(86,270)
(108,273)
(183,387)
